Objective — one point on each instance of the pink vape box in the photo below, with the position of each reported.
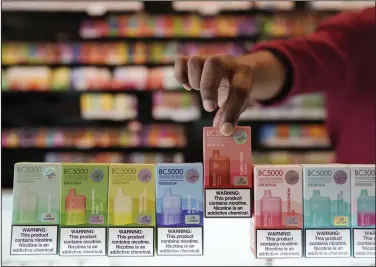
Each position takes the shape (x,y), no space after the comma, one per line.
(228,159)
(277,211)
(278,196)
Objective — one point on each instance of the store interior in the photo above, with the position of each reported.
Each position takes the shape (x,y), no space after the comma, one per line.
(97,84)
(94,82)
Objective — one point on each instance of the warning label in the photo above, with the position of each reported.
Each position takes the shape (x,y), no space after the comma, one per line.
(82,241)
(279,244)
(228,203)
(133,242)
(364,243)
(34,240)
(327,243)
(180,241)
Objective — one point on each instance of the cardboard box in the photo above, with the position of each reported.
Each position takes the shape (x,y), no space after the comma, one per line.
(228,173)
(180,209)
(278,211)
(83,209)
(131,209)
(327,213)
(36,208)
(363,210)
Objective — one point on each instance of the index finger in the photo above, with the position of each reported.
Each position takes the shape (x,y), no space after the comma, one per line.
(181,71)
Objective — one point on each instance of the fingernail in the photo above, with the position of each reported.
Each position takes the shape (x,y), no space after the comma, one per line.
(209,105)
(187,87)
(227,128)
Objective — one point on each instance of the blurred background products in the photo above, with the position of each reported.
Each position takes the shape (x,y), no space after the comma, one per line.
(97,85)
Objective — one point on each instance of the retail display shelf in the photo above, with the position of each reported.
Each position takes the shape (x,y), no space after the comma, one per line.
(231,248)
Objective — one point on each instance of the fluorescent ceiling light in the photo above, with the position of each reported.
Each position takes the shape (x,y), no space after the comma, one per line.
(211,7)
(92,7)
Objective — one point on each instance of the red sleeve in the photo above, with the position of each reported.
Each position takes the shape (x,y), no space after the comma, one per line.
(339,48)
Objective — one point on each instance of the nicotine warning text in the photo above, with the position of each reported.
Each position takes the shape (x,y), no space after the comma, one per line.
(364,243)
(327,243)
(228,203)
(180,241)
(34,240)
(132,242)
(279,243)
(82,241)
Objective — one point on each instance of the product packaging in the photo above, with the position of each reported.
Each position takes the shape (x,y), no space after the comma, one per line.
(36,215)
(277,221)
(228,173)
(83,209)
(131,209)
(327,213)
(180,209)
(363,210)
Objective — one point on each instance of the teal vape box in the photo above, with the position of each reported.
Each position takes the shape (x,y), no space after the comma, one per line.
(327,210)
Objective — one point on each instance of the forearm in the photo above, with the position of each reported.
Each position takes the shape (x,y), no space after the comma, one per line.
(268,74)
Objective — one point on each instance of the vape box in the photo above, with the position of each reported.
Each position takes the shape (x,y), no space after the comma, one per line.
(278,211)
(180,209)
(327,213)
(363,210)
(83,209)
(131,209)
(36,215)
(228,173)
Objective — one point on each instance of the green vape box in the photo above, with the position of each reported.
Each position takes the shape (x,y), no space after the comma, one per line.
(36,193)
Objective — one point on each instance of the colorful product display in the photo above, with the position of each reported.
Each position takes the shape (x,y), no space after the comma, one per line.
(279,136)
(327,196)
(176,106)
(146,25)
(64,79)
(306,107)
(227,159)
(179,194)
(36,193)
(131,195)
(287,157)
(363,196)
(108,106)
(84,194)
(111,53)
(170,196)
(155,135)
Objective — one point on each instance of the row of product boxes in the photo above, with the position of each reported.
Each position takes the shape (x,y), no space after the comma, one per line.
(85,199)
(101,208)
(296,209)
(106,203)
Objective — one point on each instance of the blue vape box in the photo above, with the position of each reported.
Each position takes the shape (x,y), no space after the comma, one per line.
(180,193)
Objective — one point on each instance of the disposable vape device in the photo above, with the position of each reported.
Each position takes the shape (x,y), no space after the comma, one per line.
(75,207)
(219,169)
(122,208)
(366,209)
(171,208)
(320,209)
(27,207)
(271,210)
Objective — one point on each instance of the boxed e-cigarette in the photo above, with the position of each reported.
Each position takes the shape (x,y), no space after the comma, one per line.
(228,173)
(180,209)
(83,209)
(363,210)
(36,211)
(327,213)
(131,209)
(277,221)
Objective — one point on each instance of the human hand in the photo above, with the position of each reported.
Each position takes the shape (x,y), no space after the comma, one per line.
(223,82)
